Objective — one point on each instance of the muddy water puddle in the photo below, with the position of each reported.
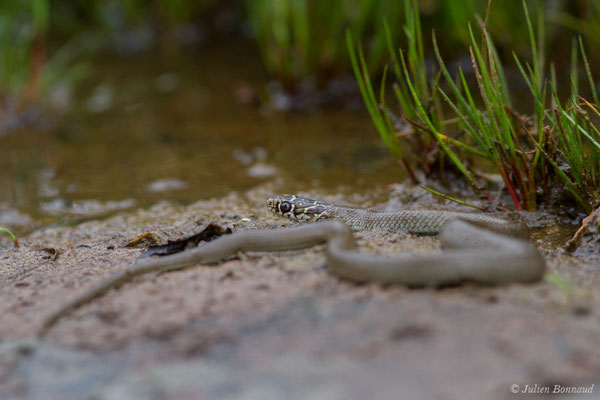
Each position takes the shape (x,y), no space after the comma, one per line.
(142,130)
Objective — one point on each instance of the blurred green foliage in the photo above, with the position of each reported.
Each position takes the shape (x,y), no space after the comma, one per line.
(297,38)
(42,42)
(22,33)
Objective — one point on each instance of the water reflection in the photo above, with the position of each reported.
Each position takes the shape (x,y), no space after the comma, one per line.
(140,122)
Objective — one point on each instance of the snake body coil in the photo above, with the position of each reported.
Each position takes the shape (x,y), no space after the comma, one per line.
(477,248)
(418,222)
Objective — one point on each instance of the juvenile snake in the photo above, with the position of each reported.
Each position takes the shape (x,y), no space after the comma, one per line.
(478,248)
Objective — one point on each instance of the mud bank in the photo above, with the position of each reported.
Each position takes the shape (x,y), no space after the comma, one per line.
(277,325)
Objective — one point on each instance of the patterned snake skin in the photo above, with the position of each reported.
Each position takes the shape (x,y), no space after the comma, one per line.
(477,248)
(418,222)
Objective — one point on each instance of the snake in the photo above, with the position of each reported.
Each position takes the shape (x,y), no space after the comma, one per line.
(476,247)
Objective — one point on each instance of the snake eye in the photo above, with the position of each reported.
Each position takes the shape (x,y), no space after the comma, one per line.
(285,207)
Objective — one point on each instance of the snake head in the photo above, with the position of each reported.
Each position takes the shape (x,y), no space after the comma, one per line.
(297,208)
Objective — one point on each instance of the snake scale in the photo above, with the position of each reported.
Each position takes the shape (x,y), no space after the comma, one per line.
(477,248)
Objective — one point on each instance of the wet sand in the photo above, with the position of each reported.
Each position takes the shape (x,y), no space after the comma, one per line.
(277,325)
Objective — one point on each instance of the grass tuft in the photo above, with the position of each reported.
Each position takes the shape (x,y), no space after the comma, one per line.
(557,145)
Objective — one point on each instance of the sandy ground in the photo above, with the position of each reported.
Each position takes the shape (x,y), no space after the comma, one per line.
(277,325)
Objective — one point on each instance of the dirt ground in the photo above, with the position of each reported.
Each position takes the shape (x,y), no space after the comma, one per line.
(277,325)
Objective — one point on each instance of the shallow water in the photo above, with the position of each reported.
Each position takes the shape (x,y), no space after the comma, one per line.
(141,130)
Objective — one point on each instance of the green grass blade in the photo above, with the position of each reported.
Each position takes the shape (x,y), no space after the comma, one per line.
(12,236)
(588,72)
(450,198)
(368,95)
